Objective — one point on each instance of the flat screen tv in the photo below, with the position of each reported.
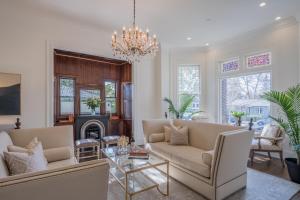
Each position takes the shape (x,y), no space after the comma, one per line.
(10,94)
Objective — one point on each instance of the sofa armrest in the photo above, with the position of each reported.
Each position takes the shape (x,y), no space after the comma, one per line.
(231,155)
(87,180)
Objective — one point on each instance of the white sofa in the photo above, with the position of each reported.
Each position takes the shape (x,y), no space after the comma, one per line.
(215,161)
(64,179)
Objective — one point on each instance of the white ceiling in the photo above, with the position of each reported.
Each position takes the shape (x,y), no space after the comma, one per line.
(175,20)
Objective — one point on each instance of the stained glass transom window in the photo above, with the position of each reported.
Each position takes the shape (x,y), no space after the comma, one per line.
(230,65)
(259,60)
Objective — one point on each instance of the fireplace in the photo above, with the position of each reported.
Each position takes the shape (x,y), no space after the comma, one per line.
(94,127)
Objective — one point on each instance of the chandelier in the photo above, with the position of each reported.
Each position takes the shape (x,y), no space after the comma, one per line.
(134,43)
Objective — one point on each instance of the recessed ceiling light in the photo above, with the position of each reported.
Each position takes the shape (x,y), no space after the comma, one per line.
(189,38)
(207,44)
(262,4)
(278,18)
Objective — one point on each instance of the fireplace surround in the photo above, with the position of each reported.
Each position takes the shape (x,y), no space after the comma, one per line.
(90,126)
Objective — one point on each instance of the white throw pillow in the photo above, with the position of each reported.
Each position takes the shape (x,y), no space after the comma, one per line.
(270,131)
(24,160)
(179,136)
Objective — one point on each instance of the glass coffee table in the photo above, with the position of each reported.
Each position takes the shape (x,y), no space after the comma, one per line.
(138,175)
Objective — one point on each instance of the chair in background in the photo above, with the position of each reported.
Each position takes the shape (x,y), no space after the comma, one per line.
(269,141)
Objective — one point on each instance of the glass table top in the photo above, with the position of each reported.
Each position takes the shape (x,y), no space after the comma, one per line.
(127,165)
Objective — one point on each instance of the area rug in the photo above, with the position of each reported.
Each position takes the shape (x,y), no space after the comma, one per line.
(260,186)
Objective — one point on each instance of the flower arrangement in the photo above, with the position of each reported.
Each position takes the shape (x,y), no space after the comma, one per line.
(93,103)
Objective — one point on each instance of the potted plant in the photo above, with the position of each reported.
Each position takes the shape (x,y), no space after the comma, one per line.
(185,102)
(93,103)
(289,103)
(238,117)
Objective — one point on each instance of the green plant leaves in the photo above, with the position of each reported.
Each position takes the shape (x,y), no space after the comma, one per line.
(289,102)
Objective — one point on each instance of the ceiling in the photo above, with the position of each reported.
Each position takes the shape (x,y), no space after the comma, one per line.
(205,21)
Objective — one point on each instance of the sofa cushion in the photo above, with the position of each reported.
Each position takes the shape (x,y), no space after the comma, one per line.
(5,140)
(264,144)
(187,157)
(156,137)
(62,163)
(58,154)
(24,162)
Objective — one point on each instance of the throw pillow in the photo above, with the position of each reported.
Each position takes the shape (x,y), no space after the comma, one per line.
(179,136)
(57,154)
(270,131)
(25,160)
(156,137)
(167,133)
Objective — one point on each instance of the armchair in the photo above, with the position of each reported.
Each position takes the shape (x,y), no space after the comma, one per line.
(268,144)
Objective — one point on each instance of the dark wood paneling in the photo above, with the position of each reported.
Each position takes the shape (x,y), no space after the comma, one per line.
(89,72)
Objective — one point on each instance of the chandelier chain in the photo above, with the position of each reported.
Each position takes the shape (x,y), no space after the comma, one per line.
(133,13)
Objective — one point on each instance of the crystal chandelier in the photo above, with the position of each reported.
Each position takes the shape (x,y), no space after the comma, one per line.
(134,43)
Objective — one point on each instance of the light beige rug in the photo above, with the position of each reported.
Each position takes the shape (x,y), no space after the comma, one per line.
(260,186)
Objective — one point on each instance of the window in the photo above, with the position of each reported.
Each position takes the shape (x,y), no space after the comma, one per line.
(188,82)
(259,60)
(85,94)
(66,87)
(110,97)
(242,93)
(230,65)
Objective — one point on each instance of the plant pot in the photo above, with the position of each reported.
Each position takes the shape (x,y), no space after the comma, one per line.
(293,169)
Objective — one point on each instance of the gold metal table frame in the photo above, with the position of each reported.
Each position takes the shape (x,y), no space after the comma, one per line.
(138,175)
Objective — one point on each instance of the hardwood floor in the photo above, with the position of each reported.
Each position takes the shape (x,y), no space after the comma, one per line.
(273,167)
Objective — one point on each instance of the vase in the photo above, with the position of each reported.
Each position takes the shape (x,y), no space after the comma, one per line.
(93,112)
(293,169)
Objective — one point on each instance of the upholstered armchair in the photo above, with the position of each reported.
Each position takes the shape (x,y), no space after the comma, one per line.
(269,141)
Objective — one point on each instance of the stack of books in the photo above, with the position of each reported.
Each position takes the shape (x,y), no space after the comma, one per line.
(138,154)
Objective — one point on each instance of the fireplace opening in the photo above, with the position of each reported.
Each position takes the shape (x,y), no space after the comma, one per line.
(92,129)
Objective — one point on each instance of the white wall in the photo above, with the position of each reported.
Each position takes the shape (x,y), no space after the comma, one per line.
(27,38)
(184,56)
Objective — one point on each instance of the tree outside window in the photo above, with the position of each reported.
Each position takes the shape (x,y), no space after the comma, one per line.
(110,97)
(243,93)
(188,82)
(67,93)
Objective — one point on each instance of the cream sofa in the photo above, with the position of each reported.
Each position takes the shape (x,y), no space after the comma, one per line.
(64,179)
(213,164)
